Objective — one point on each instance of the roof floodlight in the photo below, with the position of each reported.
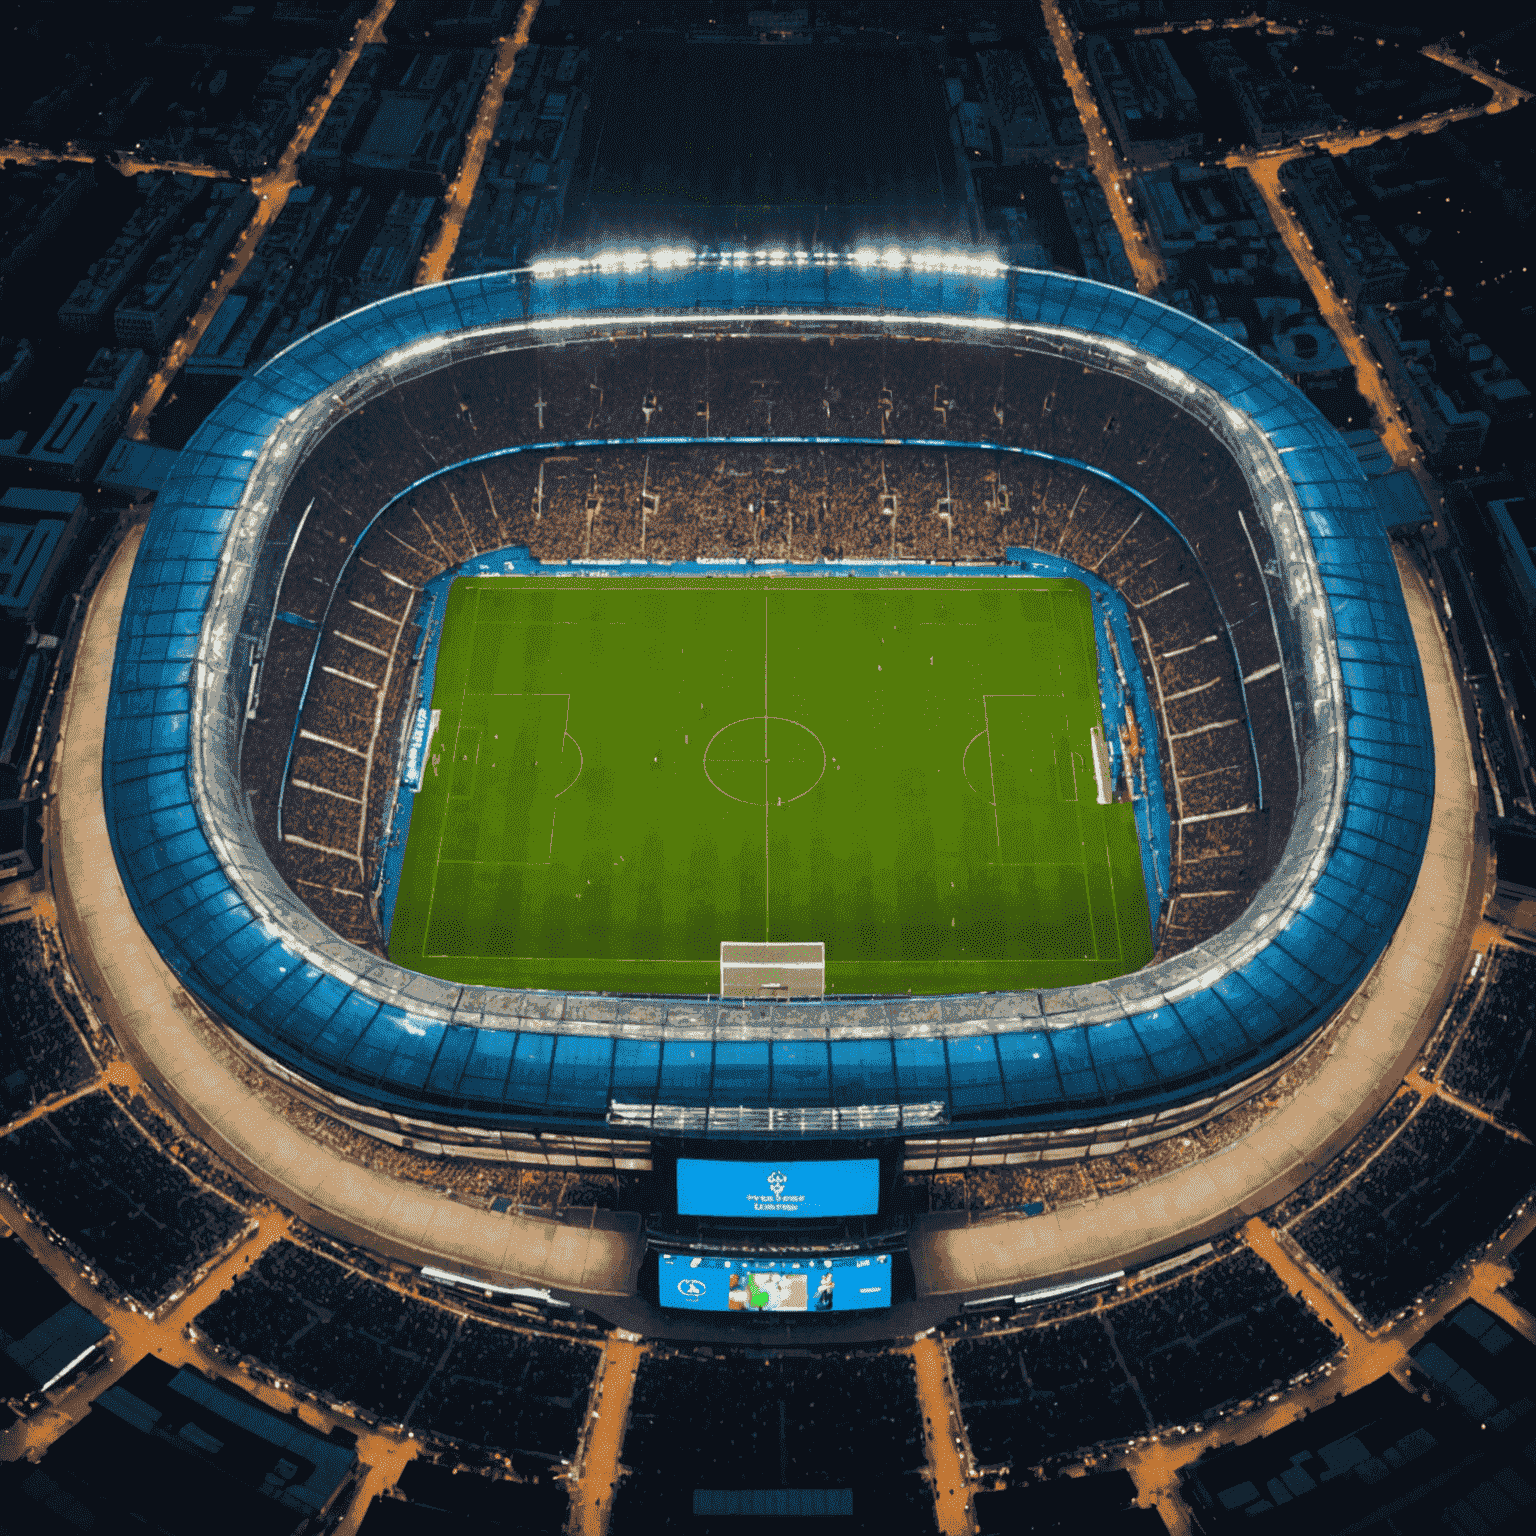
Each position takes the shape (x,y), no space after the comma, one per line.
(893,257)
(865,256)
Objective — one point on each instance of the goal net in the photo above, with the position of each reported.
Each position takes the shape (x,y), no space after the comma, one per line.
(773,970)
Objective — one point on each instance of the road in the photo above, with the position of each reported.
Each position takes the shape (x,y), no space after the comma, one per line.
(949,1458)
(433,267)
(272,191)
(597,1470)
(1113,175)
(1265,166)
(129,165)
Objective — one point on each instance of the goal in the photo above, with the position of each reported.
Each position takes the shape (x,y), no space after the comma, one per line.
(773,970)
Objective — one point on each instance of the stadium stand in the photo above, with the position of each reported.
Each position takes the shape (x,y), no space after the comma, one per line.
(1383,1126)
(1037,1186)
(716,502)
(1442,1185)
(735,1421)
(393,1357)
(183,1147)
(438,1499)
(130,1214)
(1102,1502)
(1172,1356)
(41,1049)
(1492,1063)
(292,988)
(510,1390)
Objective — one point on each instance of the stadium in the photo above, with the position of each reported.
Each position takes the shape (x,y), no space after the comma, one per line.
(977,417)
(971,864)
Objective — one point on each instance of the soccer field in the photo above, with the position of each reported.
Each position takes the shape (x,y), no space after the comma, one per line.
(628,771)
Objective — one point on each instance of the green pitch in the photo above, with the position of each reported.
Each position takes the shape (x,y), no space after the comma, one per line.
(626,772)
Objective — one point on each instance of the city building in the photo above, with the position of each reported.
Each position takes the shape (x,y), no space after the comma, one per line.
(239,330)
(1275,109)
(1363,262)
(16,358)
(1018,114)
(418,127)
(1153,109)
(1443,410)
(151,311)
(74,443)
(37,529)
(167,200)
(36,203)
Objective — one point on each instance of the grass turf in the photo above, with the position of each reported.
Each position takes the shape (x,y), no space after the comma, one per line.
(628,771)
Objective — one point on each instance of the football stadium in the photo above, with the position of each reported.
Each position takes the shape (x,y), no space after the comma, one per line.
(698,858)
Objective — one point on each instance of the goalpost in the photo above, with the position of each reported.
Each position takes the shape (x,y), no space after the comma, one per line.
(773,970)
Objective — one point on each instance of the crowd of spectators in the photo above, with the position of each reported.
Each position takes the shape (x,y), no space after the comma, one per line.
(510,1390)
(331,1330)
(41,1049)
(1492,1063)
(1171,1356)
(724,501)
(735,1420)
(179,1144)
(1038,1186)
(1383,1126)
(325,1326)
(1464,1000)
(1446,1183)
(435,1498)
(134,1216)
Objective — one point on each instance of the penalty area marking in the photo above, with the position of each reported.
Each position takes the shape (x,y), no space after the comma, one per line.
(772,970)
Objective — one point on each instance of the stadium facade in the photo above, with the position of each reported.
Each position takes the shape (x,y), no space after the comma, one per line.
(409,1056)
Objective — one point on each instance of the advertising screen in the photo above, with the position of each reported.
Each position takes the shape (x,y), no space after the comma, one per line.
(708,1188)
(776,1285)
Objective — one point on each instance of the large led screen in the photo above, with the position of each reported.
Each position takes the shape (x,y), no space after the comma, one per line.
(709,1188)
(776,1285)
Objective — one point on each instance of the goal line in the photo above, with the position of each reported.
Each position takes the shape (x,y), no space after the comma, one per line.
(773,970)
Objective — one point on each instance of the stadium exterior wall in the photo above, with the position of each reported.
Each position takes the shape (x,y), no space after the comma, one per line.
(404,1048)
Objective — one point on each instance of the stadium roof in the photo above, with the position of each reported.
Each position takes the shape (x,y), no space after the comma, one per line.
(427,1050)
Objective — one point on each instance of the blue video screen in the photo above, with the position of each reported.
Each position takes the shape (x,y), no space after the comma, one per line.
(709,1188)
(775,1285)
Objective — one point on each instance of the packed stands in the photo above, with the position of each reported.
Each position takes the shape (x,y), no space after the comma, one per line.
(1444,1184)
(357,615)
(1171,1356)
(1383,1126)
(1103,1503)
(41,1049)
(510,1390)
(1492,1063)
(332,1330)
(733,1421)
(344,1335)
(135,1217)
(183,1147)
(438,1499)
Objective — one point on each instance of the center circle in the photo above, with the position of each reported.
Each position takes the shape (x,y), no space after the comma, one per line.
(765,760)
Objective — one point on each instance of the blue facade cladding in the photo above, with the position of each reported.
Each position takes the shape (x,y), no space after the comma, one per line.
(362,1028)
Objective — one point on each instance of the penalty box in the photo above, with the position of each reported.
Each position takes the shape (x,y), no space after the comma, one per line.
(773,970)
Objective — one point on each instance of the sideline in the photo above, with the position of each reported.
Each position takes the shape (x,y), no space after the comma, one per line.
(173,1043)
(1386,1024)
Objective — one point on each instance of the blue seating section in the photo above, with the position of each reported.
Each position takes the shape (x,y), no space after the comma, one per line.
(427,1050)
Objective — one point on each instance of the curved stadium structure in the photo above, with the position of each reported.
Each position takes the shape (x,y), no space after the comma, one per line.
(1222,507)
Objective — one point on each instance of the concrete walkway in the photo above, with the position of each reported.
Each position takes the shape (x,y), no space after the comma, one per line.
(1387,1023)
(184,1056)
